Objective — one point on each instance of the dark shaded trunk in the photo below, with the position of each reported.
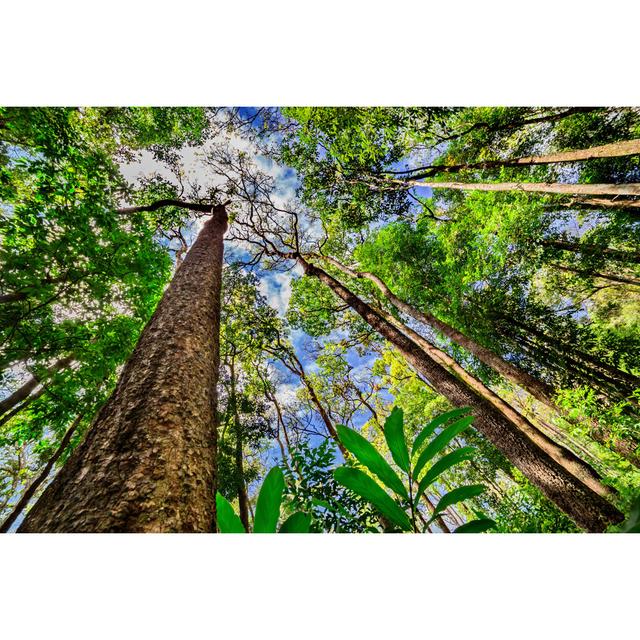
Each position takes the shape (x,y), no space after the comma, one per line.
(36,483)
(148,461)
(588,361)
(536,388)
(23,405)
(494,128)
(25,390)
(590,250)
(589,510)
(571,462)
(594,274)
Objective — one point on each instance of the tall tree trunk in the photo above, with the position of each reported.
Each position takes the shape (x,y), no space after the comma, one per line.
(579,247)
(41,477)
(612,150)
(25,390)
(23,405)
(571,462)
(589,510)
(148,461)
(536,388)
(629,189)
(594,274)
(243,499)
(553,117)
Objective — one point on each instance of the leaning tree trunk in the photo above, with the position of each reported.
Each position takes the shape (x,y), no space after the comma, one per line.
(538,389)
(630,189)
(612,150)
(25,390)
(589,510)
(37,482)
(148,461)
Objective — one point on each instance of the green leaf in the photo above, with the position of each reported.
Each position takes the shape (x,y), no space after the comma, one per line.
(269,499)
(457,495)
(360,483)
(440,442)
(296,523)
(446,462)
(228,521)
(394,435)
(632,523)
(476,526)
(434,424)
(369,457)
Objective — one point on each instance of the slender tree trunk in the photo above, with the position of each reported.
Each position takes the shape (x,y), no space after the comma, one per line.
(148,461)
(629,189)
(594,274)
(25,390)
(243,499)
(578,247)
(298,369)
(23,405)
(590,362)
(537,388)
(572,463)
(589,510)
(553,117)
(613,150)
(605,203)
(41,477)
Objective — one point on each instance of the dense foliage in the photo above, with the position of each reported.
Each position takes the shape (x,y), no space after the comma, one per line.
(529,297)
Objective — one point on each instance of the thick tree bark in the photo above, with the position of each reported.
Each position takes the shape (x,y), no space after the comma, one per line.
(148,461)
(589,510)
(41,477)
(25,390)
(537,388)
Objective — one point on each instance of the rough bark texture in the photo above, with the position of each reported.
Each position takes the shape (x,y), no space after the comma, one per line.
(25,390)
(589,510)
(148,461)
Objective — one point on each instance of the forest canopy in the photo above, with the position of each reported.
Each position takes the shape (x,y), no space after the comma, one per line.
(320,319)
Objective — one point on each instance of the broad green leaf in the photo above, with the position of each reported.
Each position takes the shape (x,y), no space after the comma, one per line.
(296,523)
(369,457)
(440,442)
(228,521)
(394,435)
(434,424)
(476,526)
(269,499)
(446,462)
(360,483)
(457,495)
